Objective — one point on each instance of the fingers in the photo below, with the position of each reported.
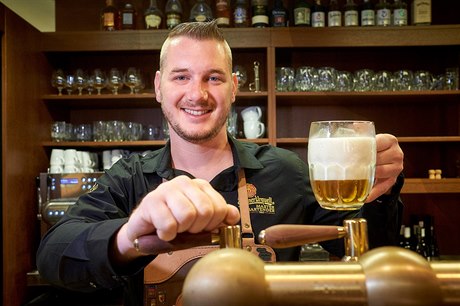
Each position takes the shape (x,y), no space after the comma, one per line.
(181,205)
(390,163)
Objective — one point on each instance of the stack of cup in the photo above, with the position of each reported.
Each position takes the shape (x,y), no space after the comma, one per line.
(72,161)
(253,128)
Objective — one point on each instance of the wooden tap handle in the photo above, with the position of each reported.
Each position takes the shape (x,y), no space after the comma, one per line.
(291,235)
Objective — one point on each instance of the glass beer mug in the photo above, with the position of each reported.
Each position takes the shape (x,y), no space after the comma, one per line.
(341,159)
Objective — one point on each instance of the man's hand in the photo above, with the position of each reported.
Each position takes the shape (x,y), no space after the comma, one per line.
(390,159)
(179,205)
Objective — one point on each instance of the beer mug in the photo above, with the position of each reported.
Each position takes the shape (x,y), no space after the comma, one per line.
(341,159)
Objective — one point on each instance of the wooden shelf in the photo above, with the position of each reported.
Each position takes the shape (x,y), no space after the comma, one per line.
(423,186)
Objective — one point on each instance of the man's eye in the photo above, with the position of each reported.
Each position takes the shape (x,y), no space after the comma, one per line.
(215,79)
(180,78)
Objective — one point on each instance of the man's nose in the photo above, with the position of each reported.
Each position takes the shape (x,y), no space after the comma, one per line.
(198,91)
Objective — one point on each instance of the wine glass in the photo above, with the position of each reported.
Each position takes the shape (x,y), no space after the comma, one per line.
(90,85)
(58,80)
(131,78)
(341,158)
(69,83)
(99,80)
(241,74)
(115,80)
(140,85)
(80,80)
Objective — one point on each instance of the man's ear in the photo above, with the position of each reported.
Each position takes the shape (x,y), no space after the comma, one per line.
(156,84)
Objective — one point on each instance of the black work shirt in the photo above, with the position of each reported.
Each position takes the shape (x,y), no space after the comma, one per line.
(74,253)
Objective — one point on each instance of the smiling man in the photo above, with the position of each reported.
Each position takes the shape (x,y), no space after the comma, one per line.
(191,185)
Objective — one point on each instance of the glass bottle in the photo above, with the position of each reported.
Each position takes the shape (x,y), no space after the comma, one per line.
(153,16)
(279,16)
(109,16)
(201,12)
(223,13)
(173,11)
(128,17)
(367,14)
(259,10)
(241,14)
(421,12)
(399,13)
(302,14)
(422,247)
(318,15)
(334,14)
(433,245)
(407,238)
(383,12)
(351,15)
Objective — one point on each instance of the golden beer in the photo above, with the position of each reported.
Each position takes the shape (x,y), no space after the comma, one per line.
(341,158)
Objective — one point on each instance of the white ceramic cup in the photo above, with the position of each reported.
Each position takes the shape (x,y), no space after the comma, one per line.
(251,113)
(253,129)
(57,157)
(71,157)
(56,169)
(71,169)
(86,160)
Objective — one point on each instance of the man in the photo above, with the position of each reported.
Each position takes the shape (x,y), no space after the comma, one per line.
(190,185)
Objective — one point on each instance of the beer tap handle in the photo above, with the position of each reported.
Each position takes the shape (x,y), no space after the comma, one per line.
(291,235)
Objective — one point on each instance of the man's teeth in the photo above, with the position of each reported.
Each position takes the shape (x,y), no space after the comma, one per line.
(195,112)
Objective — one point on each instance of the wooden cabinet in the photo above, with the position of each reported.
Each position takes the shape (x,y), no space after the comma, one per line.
(426,123)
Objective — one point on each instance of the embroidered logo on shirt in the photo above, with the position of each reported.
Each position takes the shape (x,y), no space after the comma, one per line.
(259,205)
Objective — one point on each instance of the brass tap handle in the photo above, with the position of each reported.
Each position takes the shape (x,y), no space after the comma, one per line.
(291,235)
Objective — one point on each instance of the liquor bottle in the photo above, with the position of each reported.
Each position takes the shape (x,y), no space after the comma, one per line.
(153,16)
(367,14)
(223,13)
(351,15)
(318,15)
(259,13)
(109,17)
(128,17)
(407,238)
(302,14)
(421,12)
(422,247)
(201,12)
(401,235)
(173,10)
(433,245)
(383,12)
(241,14)
(400,13)
(334,14)
(279,16)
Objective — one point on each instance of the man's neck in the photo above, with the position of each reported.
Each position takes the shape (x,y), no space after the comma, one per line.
(204,160)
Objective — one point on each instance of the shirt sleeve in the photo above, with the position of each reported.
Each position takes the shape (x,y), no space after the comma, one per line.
(75,252)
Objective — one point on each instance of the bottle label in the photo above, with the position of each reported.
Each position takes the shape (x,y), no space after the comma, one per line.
(200,18)
(421,12)
(318,19)
(400,17)
(383,17)
(240,15)
(260,20)
(109,20)
(368,18)
(152,21)
(334,19)
(302,16)
(351,18)
(223,21)
(127,19)
(172,20)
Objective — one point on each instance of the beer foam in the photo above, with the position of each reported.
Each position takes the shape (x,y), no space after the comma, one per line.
(342,158)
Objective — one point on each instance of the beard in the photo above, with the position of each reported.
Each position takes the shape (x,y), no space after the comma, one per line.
(200,136)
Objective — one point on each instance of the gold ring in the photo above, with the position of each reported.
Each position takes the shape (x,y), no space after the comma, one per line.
(136,244)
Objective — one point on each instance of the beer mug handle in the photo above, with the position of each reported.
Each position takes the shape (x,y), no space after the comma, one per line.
(261,129)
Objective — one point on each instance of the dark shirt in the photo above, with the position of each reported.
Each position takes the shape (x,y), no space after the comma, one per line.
(74,253)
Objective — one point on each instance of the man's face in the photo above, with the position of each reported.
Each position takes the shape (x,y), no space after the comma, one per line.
(195,88)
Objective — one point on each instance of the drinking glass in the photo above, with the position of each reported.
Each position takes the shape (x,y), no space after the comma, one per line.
(341,159)
(131,78)
(363,80)
(58,80)
(115,80)
(382,81)
(305,78)
(69,83)
(451,78)
(422,80)
(402,80)
(241,74)
(80,80)
(99,80)
(285,79)
(326,79)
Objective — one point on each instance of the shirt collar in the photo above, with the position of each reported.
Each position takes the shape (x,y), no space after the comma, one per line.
(244,155)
